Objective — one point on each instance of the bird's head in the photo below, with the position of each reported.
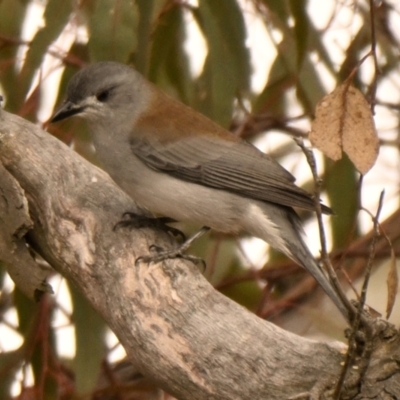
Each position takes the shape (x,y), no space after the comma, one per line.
(99,90)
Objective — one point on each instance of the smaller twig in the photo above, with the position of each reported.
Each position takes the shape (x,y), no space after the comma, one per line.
(391,291)
(372,249)
(324,252)
(367,351)
(368,347)
(374,84)
(353,230)
(9,40)
(372,52)
(357,67)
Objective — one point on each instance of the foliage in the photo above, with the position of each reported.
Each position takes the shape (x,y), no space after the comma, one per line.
(266,65)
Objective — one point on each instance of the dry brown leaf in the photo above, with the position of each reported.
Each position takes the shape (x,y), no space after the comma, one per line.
(326,127)
(344,122)
(392,284)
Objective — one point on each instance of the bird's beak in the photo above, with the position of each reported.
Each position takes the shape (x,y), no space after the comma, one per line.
(67,109)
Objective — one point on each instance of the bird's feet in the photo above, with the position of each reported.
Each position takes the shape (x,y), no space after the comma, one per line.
(162,254)
(159,254)
(136,221)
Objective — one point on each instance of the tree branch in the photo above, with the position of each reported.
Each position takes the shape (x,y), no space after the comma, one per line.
(176,328)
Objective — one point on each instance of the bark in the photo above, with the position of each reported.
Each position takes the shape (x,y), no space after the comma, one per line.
(176,328)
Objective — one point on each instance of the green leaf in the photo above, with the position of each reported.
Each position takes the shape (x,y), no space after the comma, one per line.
(150,12)
(25,308)
(169,65)
(227,18)
(77,51)
(112,26)
(301,24)
(90,346)
(9,365)
(248,293)
(227,65)
(178,69)
(340,179)
(12,14)
(279,8)
(35,326)
(272,98)
(293,53)
(56,17)
(310,88)
(316,44)
(146,13)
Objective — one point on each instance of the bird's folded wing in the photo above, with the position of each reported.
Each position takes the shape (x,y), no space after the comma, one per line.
(237,167)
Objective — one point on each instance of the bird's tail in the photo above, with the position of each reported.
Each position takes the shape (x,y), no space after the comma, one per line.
(306,260)
(281,228)
(300,253)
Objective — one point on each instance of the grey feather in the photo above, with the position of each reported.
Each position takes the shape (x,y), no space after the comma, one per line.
(214,163)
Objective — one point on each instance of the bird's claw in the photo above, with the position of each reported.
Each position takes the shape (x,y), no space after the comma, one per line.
(162,255)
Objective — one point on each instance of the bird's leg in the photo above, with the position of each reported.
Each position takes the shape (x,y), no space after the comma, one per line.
(175,253)
(137,221)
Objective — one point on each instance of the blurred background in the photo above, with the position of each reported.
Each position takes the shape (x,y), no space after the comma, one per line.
(258,68)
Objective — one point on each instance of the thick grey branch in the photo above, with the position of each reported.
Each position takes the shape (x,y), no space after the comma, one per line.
(194,342)
(15,222)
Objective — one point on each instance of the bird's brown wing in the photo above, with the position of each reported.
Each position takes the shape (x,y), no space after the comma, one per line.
(237,167)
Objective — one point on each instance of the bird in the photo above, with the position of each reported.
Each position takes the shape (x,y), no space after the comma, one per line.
(176,162)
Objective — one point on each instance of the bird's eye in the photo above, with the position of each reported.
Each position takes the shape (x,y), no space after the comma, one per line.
(103,95)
